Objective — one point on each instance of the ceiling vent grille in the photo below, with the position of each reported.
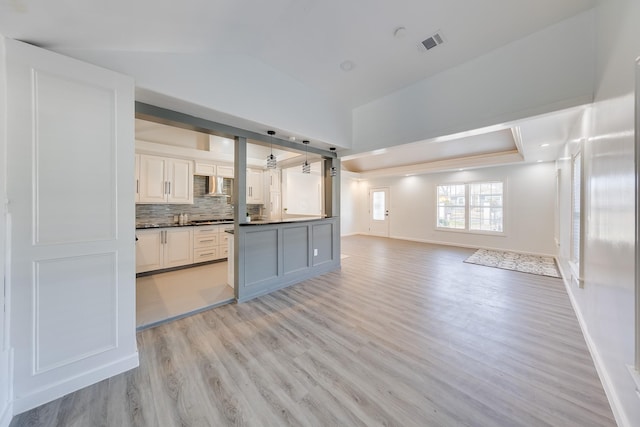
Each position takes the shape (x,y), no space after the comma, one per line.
(431,42)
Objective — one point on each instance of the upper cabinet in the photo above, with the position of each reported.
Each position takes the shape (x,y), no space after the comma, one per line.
(255,187)
(225,171)
(165,180)
(211,169)
(137,177)
(206,169)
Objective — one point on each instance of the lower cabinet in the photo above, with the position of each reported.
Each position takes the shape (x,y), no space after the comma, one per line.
(163,248)
(210,242)
(159,248)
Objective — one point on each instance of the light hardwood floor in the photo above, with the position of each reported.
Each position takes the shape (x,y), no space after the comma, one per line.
(405,334)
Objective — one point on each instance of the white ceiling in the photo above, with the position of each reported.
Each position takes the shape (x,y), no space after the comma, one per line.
(309,39)
(537,139)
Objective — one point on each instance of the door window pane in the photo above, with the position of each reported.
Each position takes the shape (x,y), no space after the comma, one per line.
(378,210)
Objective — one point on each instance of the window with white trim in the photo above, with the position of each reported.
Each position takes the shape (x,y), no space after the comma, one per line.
(452,206)
(477,206)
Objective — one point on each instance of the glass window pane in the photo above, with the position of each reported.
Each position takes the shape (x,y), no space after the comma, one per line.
(378,205)
(451,206)
(486,206)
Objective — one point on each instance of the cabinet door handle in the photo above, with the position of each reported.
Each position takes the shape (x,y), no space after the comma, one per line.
(137,186)
(169,192)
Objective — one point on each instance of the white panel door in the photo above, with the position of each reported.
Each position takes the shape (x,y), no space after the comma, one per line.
(70,146)
(379,212)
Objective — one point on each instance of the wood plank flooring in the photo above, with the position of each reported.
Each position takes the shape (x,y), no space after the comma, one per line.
(405,334)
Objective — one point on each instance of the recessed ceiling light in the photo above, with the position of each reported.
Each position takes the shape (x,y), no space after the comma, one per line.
(544,145)
(292,138)
(539,161)
(347,65)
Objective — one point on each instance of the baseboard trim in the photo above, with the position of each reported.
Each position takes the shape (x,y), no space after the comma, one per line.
(462,245)
(603,373)
(69,385)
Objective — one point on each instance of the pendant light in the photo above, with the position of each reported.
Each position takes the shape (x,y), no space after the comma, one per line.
(306,167)
(271,159)
(333,171)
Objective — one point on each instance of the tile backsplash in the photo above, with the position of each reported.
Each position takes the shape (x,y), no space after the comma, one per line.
(203,207)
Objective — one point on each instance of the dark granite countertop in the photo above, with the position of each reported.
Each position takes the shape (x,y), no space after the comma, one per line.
(286,220)
(142,226)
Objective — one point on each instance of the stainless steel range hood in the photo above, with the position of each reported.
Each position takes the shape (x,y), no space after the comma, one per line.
(216,187)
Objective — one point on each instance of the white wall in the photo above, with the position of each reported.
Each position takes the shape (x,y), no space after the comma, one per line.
(351,201)
(529,207)
(605,305)
(6,381)
(229,88)
(548,70)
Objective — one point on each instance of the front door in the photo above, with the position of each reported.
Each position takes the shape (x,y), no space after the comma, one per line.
(379,212)
(70,165)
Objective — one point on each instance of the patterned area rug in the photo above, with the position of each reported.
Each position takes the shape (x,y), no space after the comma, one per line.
(544,266)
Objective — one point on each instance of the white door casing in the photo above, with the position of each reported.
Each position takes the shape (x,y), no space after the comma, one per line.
(379,212)
(70,152)
(6,382)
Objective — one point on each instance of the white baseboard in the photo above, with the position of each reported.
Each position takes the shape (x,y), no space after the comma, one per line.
(462,245)
(603,373)
(69,385)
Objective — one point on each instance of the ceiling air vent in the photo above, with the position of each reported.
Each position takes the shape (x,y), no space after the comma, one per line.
(431,42)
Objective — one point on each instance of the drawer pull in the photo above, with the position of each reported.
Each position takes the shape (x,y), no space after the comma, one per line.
(204,255)
(205,241)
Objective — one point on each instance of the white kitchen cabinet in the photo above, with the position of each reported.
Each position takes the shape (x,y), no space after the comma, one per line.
(149,250)
(165,180)
(255,187)
(206,239)
(178,246)
(275,206)
(206,169)
(210,242)
(225,171)
(274,179)
(160,248)
(137,177)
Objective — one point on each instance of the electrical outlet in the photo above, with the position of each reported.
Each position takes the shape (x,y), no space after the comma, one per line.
(315,252)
